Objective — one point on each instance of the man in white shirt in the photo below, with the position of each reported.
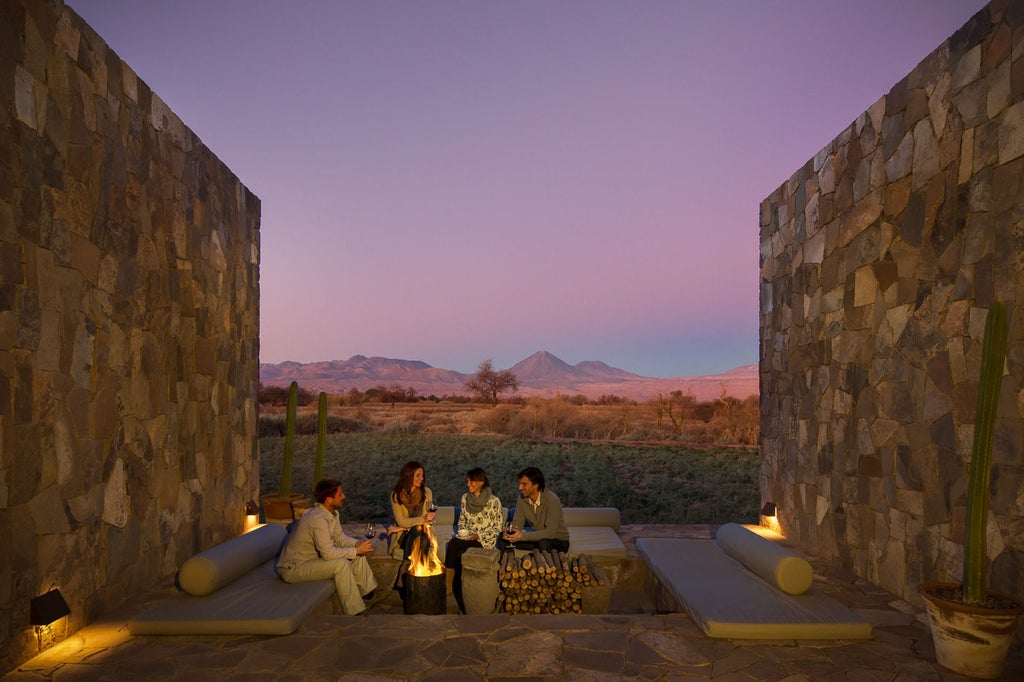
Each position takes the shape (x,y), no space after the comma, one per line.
(316,549)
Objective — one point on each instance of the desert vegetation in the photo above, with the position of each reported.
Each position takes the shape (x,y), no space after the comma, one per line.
(670,460)
(663,483)
(676,418)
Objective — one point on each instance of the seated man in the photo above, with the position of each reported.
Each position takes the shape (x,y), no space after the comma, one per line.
(542,511)
(316,549)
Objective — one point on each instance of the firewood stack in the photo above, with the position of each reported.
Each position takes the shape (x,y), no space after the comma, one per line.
(546,582)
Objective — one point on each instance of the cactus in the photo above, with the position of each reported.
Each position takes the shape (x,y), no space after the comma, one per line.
(289,442)
(321,437)
(975,587)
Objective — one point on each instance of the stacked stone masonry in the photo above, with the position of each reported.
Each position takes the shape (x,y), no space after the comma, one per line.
(879,260)
(129,262)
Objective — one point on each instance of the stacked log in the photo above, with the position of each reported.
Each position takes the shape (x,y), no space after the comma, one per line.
(546,582)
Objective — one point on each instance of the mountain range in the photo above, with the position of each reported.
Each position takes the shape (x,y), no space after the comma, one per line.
(542,374)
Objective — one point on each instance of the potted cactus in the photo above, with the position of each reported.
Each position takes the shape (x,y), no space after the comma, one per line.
(972,626)
(280,507)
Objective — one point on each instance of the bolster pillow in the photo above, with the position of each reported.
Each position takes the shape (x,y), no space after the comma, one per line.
(216,567)
(779,566)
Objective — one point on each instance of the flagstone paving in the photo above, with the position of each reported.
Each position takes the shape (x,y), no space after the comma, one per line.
(632,643)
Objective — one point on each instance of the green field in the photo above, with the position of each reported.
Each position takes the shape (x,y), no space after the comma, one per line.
(649,484)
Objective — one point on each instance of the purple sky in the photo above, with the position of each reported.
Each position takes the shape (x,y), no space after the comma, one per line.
(456,181)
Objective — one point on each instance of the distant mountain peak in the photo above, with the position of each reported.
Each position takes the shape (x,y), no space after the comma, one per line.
(542,364)
(603,370)
(542,374)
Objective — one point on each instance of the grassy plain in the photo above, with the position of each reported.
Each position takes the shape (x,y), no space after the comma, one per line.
(676,419)
(649,483)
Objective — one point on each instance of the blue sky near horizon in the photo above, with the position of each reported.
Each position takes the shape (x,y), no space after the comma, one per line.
(454,181)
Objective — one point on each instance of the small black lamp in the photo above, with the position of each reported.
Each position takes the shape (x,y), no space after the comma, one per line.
(251,508)
(768,509)
(46,608)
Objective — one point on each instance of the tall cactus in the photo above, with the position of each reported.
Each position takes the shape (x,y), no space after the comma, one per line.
(321,437)
(993,353)
(289,441)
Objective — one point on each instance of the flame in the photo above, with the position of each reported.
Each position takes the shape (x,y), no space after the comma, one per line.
(423,559)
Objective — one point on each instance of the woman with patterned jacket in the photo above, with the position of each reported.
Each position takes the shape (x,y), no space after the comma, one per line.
(479,525)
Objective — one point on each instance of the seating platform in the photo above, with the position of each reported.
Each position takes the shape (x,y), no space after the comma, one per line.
(726,600)
(233,589)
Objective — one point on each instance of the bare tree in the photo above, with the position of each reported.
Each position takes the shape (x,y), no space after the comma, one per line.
(489,384)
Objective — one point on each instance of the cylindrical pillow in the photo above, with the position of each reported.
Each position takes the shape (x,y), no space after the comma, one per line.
(779,566)
(216,567)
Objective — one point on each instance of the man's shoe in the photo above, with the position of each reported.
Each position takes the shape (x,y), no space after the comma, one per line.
(369,595)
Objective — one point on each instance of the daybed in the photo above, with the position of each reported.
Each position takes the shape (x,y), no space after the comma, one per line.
(744,586)
(232,589)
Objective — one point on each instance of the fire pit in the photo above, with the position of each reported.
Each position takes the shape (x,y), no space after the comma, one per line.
(425,587)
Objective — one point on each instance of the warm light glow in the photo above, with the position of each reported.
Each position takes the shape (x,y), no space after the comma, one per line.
(97,640)
(423,559)
(764,532)
(771,523)
(252,522)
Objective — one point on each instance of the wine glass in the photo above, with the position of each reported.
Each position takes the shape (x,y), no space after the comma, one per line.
(510,528)
(368,532)
(432,508)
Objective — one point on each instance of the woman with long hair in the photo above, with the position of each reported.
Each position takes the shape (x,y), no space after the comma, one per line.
(410,503)
(479,525)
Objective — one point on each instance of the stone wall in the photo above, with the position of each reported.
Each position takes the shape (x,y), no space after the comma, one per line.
(879,260)
(128,330)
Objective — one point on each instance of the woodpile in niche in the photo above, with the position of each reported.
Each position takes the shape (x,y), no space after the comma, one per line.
(546,582)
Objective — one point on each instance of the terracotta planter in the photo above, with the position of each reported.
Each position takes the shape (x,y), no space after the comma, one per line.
(281,510)
(970,640)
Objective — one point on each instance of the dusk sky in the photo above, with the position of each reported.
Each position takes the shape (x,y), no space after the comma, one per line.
(457,181)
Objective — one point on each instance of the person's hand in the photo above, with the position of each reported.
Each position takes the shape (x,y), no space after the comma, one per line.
(364,547)
(474,536)
(429,516)
(394,529)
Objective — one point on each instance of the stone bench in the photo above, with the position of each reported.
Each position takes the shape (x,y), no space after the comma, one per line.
(742,587)
(233,589)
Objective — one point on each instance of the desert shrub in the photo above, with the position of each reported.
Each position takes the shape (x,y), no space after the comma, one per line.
(278,395)
(606,399)
(497,419)
(391,394)
(405,427)
(440,424)
(582,424)
(271,426)
(336,424)
(306,424)
(643,433)
(559,418)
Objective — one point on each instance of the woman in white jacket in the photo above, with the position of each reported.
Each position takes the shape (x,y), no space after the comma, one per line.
(479,526)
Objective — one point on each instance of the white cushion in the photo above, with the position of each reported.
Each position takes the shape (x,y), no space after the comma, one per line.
(777,565)
(208,571)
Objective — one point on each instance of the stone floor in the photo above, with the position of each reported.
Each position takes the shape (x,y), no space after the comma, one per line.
(630,642)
